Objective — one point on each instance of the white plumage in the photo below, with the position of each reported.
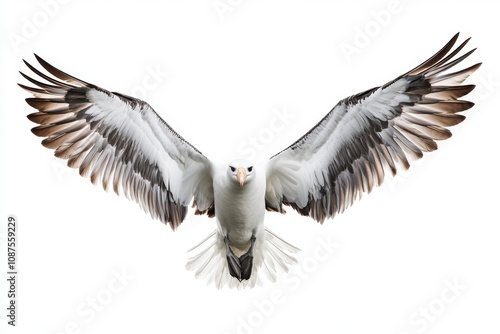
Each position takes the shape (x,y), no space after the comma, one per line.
(120,142)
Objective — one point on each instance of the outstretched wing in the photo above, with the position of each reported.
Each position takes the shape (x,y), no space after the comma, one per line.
(368,134)
(120,142)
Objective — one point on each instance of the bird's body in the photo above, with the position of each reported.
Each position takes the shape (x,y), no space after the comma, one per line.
(122,143)
(240,210)
(240,236)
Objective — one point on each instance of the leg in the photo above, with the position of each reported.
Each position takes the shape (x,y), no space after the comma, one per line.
(232,261)
(246,261)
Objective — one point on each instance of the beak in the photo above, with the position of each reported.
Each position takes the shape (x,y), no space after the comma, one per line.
(241,175)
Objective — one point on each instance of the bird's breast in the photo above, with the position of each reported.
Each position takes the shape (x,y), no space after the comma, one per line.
(240,211)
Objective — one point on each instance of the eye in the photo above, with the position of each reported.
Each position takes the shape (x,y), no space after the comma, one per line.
(249,169)
(232,168)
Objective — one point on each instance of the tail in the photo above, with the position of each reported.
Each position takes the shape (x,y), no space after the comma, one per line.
(271,255)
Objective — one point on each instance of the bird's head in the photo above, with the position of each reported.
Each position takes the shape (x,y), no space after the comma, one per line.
(240,171)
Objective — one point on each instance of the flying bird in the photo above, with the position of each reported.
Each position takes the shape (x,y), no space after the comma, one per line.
(122,143)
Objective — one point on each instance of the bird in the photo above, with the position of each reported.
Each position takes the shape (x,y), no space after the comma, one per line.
(120,142)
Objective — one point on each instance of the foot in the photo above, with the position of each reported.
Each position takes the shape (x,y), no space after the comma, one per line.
(240,267)
(246,261)
(233,261)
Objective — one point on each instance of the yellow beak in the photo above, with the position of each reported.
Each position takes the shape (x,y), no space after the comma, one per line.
(241,175)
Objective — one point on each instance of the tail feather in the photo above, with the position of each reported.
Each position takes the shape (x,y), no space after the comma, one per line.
(271,255)
(202,262)
(283,247)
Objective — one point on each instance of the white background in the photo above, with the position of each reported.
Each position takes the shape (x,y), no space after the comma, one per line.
(398,249)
